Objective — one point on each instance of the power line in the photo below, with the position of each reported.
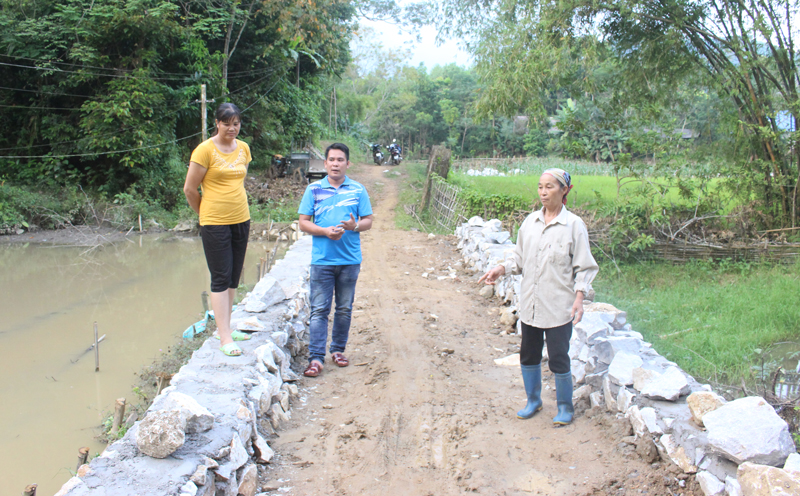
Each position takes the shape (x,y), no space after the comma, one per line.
(126,76)
(130,149)
(103,153)
(115,133)
(44,92)
(179,75)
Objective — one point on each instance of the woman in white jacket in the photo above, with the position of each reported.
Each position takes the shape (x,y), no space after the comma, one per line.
(557,268)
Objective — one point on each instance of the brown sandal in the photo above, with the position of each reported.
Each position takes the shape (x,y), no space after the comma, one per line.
(340,360)
(313,370)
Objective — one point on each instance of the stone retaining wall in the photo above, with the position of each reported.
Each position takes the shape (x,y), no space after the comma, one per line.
(733,448)
(205,433)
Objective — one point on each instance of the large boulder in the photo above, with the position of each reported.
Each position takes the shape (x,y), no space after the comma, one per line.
(269,291)
(621,369)
(702,402)
(198,418)
(669,385)
(161,433)
(763,480)
(607,348)
(749,430)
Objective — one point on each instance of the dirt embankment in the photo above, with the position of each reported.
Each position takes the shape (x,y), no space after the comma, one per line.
(423,409)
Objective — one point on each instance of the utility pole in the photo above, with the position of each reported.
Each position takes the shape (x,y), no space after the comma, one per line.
(203,116)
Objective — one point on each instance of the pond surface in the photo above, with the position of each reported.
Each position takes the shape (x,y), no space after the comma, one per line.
(142,294)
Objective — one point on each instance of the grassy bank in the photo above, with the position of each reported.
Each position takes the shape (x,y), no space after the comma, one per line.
(716,320)
(590,191)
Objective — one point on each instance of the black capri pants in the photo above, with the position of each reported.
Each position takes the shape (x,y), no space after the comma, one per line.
(225,247)
(533,338)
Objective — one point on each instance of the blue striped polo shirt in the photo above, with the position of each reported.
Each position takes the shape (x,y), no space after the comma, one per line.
(330,206)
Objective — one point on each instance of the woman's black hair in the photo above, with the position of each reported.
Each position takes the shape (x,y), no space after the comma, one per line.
(226,112)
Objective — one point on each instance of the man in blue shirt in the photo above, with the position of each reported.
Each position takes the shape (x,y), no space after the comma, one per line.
(334,210)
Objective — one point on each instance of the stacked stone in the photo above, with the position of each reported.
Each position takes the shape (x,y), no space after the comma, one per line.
(733,447)
(205,433)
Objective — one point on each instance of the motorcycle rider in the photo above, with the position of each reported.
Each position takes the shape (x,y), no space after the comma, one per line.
(395,152)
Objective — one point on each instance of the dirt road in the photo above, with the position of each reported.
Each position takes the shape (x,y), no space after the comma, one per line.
(423,409)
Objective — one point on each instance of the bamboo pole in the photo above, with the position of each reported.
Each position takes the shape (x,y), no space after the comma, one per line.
(140,222)
(96,350)
(30,490)
(204,298)
(119,414)
(258,271)
(83,456)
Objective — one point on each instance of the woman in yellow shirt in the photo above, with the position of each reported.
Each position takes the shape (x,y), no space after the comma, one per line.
(218,166)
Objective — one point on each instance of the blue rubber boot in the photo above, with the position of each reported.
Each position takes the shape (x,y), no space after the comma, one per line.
(564,399)
(532,378)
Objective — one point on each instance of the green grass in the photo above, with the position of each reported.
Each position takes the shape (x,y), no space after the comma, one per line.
(711,319)
(588,191)
(411,180)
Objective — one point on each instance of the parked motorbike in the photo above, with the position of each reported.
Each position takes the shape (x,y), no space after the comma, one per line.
(377,154)
(396,153)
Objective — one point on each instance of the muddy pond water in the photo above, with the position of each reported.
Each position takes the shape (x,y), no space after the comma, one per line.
(142,294)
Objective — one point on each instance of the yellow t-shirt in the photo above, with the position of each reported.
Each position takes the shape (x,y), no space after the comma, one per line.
(224,199)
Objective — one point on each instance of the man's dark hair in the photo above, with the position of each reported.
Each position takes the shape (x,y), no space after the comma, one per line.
(338,146)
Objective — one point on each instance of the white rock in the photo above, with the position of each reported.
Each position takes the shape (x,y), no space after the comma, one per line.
(763,480)
(621,369)
(581,393)
(254,305)
(596,399)
(277,415)
(669,385)
(189,489)
(280,338)
(475,221)
(606,348)
(578,370)
(263,452)
(249,483)
(494,225)
(238,456)
(766,440)
(248,324)
(677,454)
(198,418)
(792,463)
(508,361)
(269,291)
(161,433)
(624,399)
(637,422)
(651,420)
(732,487)
(710,485)
(611,401)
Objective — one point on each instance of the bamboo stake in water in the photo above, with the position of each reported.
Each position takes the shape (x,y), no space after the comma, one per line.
(96,350)
(119,413)
(204,297)
(30,490)
(83,455)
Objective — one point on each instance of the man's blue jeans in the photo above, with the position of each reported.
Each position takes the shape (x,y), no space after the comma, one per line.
(329,282)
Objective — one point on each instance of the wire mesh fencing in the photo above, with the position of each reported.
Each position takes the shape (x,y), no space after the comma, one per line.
(446,209)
